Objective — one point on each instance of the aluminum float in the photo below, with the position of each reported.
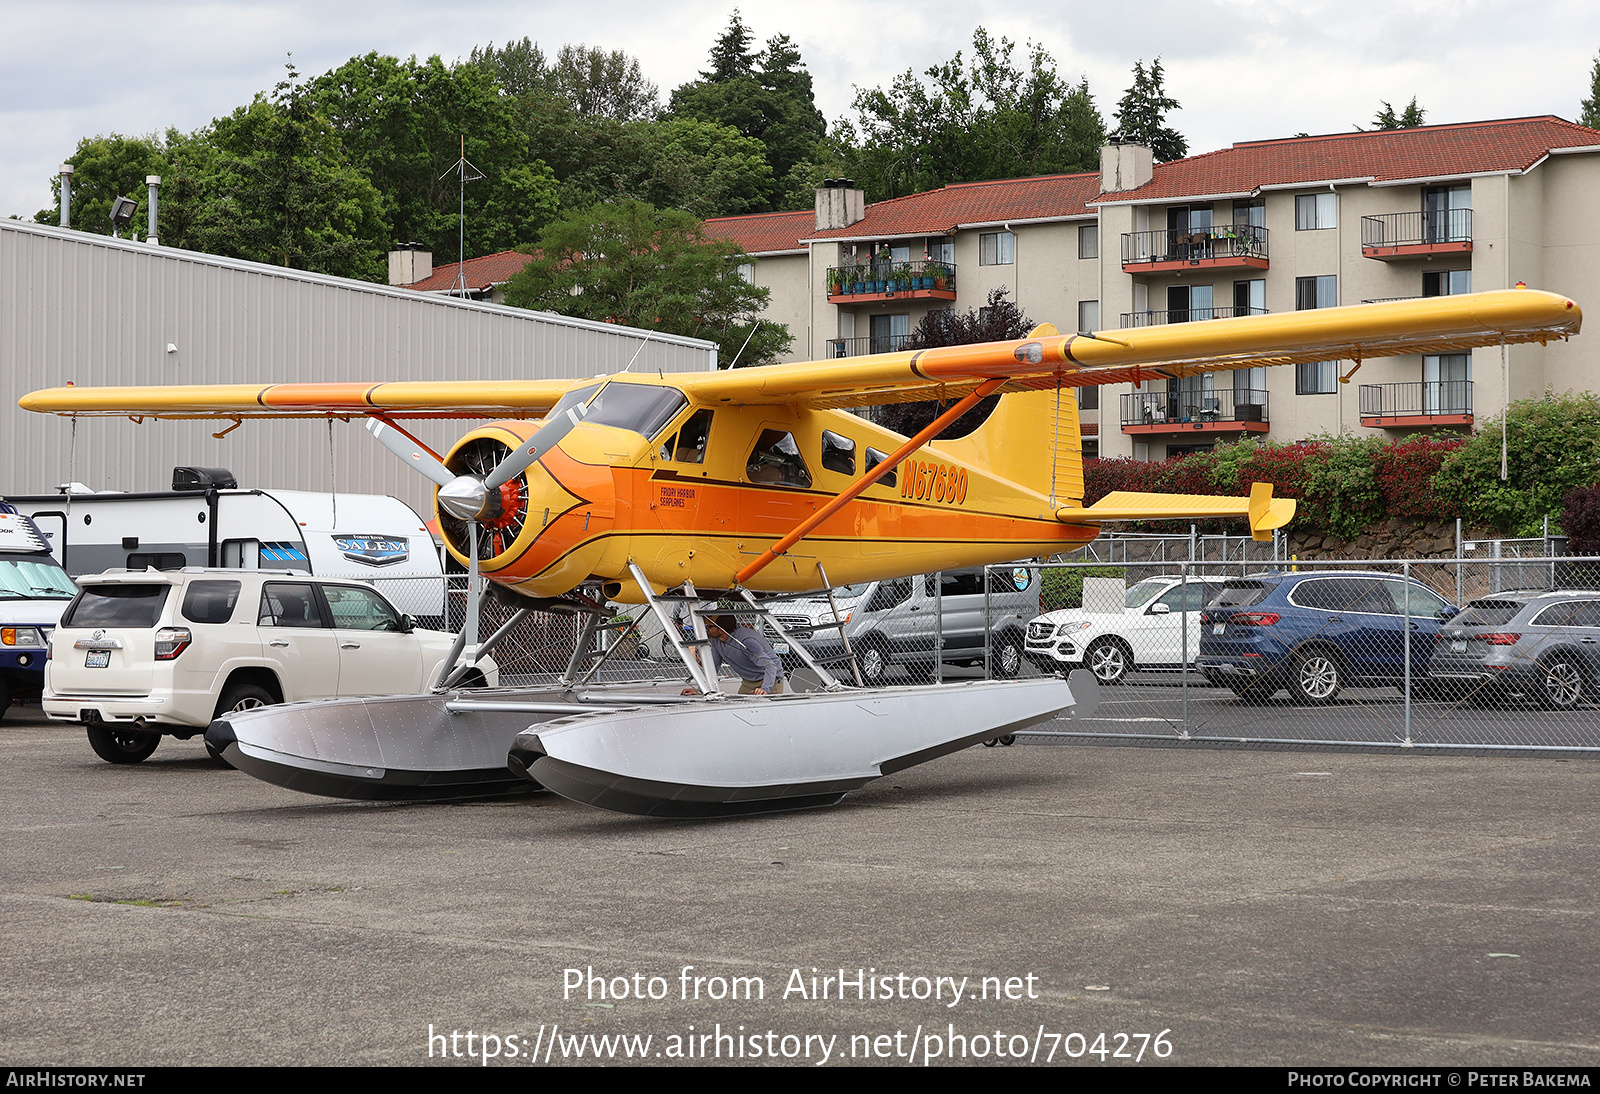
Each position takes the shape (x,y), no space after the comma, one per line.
(760,755)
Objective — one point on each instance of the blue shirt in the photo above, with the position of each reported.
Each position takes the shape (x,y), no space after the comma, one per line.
(749,655)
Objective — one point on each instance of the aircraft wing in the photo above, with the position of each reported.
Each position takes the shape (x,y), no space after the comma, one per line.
(1445,324)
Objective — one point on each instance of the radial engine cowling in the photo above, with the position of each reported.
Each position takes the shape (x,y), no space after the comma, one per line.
(541,532)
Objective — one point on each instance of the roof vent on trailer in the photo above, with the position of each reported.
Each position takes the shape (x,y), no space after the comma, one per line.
(203,478)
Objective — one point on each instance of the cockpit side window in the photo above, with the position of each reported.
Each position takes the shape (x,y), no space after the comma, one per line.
(689,446)
(776,459)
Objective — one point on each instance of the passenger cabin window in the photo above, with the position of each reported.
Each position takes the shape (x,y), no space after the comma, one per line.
(210,601)
(642,408)
(776,459)
(874,458)
(360,609)
(285,605)
(688,445)
(838,453)
(889,594)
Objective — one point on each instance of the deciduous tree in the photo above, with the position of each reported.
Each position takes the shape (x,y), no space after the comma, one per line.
(631,263)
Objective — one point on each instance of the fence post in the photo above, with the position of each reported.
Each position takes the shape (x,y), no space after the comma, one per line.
(1407,638)
(1183,663)
(988,624)
(938,627)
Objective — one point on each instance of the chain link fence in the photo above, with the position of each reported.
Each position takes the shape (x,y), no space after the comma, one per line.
(1492,651)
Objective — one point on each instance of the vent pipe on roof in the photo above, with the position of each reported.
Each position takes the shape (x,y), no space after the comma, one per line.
(153,182)
(66,195)
(839,204)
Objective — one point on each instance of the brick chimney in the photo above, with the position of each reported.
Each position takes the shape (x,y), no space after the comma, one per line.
(839,204)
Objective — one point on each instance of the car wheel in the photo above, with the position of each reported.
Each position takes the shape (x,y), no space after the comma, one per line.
(1006,658)
(1109,660)
(1563,684)
(121,746)
(1317,677)
(874,664)
(238,698)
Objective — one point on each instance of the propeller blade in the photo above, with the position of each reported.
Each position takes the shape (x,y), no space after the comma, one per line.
(532,451)
(410,451)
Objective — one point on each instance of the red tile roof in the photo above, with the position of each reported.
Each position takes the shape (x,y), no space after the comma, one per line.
(1435,151)
(481,273)
(937,212)
(763,233)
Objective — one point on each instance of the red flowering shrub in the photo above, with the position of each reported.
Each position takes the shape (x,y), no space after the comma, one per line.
(1405,473)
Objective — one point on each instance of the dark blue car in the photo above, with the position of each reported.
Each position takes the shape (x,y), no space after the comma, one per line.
(1316,633)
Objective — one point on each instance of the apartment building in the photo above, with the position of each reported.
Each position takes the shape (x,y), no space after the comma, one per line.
(1262,226)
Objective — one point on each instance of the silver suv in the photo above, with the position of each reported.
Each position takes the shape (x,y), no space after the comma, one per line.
(139,654)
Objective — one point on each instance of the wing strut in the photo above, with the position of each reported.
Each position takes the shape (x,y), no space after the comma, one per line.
(807,526)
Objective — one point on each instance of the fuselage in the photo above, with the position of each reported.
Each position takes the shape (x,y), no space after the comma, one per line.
(694,492)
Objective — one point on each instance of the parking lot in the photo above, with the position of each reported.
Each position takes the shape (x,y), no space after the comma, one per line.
(1250,906)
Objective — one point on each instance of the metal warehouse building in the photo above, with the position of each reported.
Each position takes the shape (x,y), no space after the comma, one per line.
(99,311)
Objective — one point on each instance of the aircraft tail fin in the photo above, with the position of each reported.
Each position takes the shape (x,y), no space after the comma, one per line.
(1032,439)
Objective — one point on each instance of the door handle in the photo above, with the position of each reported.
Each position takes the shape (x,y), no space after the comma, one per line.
(278,642)
(349,645)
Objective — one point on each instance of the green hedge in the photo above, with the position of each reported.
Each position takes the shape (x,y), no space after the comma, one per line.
(1346,483)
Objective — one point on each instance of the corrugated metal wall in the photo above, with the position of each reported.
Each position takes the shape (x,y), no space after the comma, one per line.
(98,311)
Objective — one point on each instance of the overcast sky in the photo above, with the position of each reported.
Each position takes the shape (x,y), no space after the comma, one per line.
(1242,69)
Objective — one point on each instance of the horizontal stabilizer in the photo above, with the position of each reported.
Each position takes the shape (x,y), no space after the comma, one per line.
(1261,509)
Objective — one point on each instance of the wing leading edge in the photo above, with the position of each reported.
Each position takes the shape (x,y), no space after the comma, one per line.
(1446,324)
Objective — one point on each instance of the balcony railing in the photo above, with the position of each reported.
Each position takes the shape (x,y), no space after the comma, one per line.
(1417,403)
(1183,315)
(1219,245)
(1231,408)
(1400,235)
(882,278)
(856,347)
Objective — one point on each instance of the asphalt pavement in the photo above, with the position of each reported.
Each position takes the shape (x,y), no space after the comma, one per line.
(1005,905)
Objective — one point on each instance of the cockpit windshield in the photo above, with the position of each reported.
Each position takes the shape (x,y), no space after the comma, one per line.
(643,408)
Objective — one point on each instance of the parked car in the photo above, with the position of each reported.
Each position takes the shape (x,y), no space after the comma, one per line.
(1542,645)
(33,592)
(1147,634)
(1319,632)
(897,622)
(139,654)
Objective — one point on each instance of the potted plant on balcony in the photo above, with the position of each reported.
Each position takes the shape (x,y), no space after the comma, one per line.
(939,274)
(836,281)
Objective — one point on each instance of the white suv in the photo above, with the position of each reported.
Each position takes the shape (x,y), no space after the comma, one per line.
(1147,633)
(142,653)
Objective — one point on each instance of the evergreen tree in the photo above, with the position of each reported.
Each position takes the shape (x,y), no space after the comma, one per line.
(1409,118)
(731,58)
(1142,114)
(1589,109)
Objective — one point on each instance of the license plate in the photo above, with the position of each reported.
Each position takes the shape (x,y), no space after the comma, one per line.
(780,648)
(97,659)
(1218,628)
(1458,645)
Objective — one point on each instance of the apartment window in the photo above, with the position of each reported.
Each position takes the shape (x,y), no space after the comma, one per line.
(1088,315)
(1315,378)
(1253,213)
(1088,398)
(997,249)
(1089,241)
(1250,297)
(1446,282)
(1141,451)
(1316,292)
(1091,449)
(942,249)
(1313,211)
(747,270)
